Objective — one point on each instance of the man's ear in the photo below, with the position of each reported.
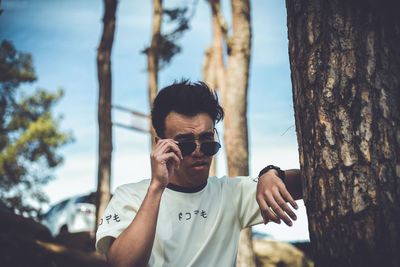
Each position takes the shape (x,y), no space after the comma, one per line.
(156,139)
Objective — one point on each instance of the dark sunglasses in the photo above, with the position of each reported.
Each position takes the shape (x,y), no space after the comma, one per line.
(208,148)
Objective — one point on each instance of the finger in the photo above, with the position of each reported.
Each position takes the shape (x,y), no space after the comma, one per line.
(171,156)
(176,149)
(278,210)
(264,216)
(168,145)
(283,205)
(159,148)
(173,145)
(263,206)
(269,200)
(164,144)
(286,195)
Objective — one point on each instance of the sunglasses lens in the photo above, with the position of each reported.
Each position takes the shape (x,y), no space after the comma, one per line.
(187,148)
(210,148)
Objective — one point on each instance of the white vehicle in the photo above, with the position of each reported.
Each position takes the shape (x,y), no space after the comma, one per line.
(76,214)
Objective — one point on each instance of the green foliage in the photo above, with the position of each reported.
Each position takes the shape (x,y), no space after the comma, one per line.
(29,135)
(169,47)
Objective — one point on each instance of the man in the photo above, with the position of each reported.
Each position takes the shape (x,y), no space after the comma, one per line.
(181,217)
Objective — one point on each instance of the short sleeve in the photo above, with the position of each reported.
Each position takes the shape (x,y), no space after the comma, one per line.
(116,218)
(244,192)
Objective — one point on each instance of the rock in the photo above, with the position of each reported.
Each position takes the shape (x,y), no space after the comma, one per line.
(25,242)
(279,254)
(22,226)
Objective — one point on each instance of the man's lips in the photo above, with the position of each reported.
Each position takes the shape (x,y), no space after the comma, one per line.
(198,164)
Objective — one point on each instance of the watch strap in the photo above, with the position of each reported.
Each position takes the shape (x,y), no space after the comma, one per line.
(281,173)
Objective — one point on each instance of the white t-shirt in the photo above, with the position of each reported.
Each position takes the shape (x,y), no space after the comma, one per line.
(193,229)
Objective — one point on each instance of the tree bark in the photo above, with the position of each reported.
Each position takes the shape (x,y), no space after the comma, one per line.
(212,58)
(234,99)
(345,64)
(232,82)
(104,108)
(153,58)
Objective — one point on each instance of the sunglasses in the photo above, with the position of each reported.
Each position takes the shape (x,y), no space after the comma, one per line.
(208,148)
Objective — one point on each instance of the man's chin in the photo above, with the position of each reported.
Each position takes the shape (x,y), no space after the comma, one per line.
(199,172)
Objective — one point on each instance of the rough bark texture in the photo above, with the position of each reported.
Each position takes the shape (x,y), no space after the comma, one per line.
(104,108)
(232,82)
(153,58)
(345,63)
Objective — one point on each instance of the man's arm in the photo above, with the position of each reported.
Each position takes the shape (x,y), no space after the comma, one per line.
(133,246)
(273,194)
(293,183)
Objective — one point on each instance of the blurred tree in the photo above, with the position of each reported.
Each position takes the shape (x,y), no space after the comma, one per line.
(213,67)
(29,135)
(232,82)
(345,64)
(153,53)
(163,46)
(104,109)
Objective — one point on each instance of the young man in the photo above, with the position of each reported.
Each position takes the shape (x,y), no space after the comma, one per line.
(181,217)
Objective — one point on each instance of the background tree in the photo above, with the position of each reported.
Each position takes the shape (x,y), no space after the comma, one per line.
(29,135)
(232,82)
(104,108)
(345,64)
(163,46)
(153,58)
(214,57)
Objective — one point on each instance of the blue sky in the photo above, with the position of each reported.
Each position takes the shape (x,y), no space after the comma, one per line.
(63,35)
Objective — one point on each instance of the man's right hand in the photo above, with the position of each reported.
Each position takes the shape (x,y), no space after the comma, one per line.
(133,246)
(165,158)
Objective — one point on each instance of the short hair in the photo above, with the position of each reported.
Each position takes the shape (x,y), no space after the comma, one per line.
(185,98)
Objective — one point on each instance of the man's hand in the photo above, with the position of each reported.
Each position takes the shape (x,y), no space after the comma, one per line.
(272,197)
(165,156)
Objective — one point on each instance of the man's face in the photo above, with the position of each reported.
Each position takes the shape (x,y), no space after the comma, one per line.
(194,168)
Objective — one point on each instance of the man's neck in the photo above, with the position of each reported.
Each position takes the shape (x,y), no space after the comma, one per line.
(188,183)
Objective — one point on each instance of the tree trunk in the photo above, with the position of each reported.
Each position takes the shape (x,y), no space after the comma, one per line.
(345,64)
(214,71)
(234,97)
(104,108)
(232,83)
(234,100)
(153,58)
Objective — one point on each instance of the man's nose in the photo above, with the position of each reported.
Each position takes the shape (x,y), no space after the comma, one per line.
(197,151)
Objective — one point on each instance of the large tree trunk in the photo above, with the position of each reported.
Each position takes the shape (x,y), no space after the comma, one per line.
(345,63)
(104,108)
(153,58)
(232,83)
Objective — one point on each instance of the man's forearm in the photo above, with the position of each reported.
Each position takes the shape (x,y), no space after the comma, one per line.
(293,183)
(133,247)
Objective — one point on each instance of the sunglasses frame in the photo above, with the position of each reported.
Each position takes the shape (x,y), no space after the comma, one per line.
(201,145)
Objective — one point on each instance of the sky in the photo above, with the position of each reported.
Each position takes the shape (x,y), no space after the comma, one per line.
(63,35)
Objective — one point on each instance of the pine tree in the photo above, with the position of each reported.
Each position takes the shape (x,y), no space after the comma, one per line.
(29,134)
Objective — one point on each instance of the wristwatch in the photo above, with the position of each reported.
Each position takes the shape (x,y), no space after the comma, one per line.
(281,174)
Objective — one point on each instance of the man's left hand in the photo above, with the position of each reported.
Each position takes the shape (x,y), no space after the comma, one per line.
(272,197)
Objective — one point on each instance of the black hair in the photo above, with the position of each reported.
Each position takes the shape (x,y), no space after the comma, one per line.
(185,98)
